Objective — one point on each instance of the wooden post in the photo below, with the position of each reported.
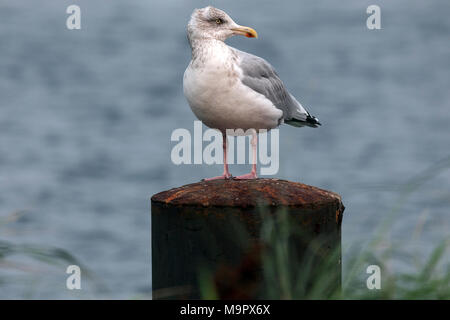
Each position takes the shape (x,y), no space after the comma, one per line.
(217,226)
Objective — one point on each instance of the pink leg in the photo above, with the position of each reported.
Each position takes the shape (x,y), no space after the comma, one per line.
(226,173)
(252,174)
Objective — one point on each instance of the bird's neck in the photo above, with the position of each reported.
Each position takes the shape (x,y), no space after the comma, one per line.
(205,47)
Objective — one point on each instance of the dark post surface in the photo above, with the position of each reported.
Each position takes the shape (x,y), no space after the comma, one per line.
(215,223)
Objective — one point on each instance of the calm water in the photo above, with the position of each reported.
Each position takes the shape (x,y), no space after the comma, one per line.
(86,118)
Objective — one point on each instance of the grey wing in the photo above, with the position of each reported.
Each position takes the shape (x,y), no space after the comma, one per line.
(260,76)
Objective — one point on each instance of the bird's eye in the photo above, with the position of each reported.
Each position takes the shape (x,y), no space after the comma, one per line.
(219,21)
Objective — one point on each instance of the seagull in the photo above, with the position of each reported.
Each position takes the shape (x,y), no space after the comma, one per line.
(228,89)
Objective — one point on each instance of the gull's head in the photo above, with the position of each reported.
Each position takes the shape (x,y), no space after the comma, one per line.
(213,23)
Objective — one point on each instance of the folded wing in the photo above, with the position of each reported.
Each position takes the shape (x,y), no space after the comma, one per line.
(261,77)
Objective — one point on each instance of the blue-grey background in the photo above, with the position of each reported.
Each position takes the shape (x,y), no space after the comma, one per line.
(86,118)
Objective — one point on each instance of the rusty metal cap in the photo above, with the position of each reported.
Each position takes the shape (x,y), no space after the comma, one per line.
(247,193)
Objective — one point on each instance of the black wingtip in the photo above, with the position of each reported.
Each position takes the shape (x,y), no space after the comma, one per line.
(312,121)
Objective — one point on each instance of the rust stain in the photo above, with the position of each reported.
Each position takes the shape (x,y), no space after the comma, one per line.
(172,196)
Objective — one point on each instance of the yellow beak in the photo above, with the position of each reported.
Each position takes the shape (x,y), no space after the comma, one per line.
(245,31)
